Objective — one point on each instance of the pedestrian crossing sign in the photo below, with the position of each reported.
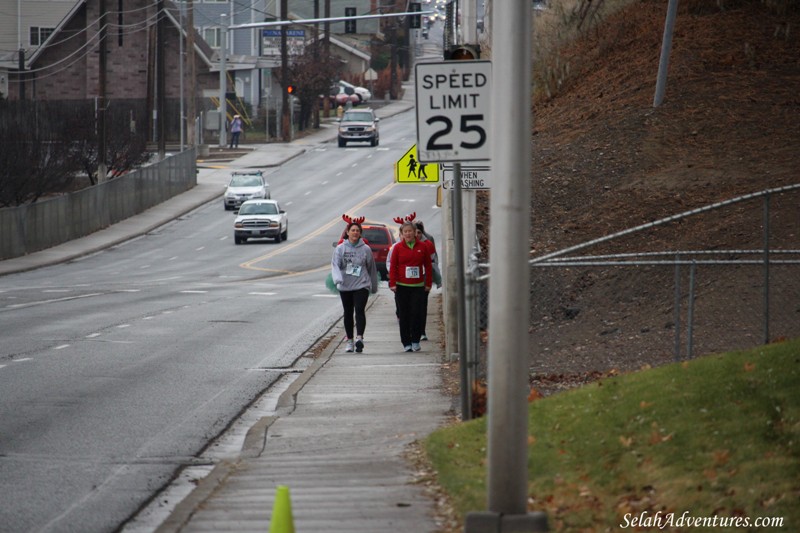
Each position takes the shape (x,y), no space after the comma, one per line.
(408,169)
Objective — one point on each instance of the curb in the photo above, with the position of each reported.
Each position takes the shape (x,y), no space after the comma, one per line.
(254,442)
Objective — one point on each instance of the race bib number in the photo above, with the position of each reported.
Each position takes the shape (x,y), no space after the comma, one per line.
(352,270)
(412,272)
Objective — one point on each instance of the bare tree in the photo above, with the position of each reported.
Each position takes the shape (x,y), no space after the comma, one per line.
(312,74)
(47,145)
(36,159)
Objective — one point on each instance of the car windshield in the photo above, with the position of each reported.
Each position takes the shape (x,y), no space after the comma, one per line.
(357,117)
(258,209)
(376,236)
(245,181)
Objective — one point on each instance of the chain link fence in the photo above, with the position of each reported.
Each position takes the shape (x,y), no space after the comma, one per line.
(719,278)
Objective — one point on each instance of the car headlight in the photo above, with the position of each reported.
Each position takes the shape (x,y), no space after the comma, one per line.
(238,225)
(259,194)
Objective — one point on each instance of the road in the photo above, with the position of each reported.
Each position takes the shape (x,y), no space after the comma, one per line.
(118,369)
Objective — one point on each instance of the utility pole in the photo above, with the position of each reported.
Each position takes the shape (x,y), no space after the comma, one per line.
(393,62)
(316,57)
(102,171)
(666,49)
(327,28)
(192,111)
(161,85)
(21,66)
(509,295)
(285,102)
(181,90)
(223,80)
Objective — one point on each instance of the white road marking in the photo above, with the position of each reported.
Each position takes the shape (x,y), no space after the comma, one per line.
(324,295)
(198,249)
(31,304)
(124,326)
(61,347)
(263,293)
(92,335)
(23,359)
(194,292)
(56,290)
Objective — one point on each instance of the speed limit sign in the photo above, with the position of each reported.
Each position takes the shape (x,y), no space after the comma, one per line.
(453,111)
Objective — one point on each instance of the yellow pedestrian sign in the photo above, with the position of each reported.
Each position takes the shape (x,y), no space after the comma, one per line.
(408,169)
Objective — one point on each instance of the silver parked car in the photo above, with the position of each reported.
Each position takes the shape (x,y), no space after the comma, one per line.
(261,219)
(245,185)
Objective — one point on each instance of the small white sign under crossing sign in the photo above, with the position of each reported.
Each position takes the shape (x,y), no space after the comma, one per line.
(453,111)
(472,177)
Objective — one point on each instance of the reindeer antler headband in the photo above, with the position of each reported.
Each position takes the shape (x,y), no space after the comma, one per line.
(408,218)
(350,220)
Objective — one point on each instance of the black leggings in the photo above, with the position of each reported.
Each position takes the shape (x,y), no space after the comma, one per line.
(410,302)
(354,301)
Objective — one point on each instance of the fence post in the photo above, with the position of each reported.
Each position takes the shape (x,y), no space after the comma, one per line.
(677,313)
(470,324)
(766,269)
(690,312)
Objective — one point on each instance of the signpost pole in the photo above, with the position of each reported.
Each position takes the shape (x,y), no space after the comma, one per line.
(458,231)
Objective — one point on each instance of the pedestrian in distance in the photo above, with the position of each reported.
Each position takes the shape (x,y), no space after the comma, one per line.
(236,131)
(410,277)
(437,276)
(356,277)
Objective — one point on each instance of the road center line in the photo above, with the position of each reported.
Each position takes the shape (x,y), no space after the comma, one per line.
(251,264)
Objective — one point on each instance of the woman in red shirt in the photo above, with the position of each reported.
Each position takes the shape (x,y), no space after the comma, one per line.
(410,277)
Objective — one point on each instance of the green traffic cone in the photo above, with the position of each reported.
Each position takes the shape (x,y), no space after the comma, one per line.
(281,521)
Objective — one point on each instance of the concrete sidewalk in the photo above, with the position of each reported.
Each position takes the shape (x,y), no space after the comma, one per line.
(337,443)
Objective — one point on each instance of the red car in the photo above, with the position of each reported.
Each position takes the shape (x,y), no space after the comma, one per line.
(380,240)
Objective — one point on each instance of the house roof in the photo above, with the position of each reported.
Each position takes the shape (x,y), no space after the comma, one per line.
(204,51)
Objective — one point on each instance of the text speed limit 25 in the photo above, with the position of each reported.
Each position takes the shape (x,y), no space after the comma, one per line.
(453,110)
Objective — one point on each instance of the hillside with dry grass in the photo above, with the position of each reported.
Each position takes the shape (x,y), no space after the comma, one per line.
(604,159)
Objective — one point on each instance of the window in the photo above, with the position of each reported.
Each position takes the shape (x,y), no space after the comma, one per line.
(39,35)
(213,36)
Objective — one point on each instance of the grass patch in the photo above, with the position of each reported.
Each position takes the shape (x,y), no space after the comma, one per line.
(717,436)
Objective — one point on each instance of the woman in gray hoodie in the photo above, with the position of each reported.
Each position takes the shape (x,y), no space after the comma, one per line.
(355,275)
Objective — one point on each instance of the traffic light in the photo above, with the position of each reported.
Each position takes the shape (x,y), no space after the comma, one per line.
(415,20)
(462,52)
(291,90)
(350,25)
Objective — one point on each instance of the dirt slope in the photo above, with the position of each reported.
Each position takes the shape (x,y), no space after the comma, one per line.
(605,160)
